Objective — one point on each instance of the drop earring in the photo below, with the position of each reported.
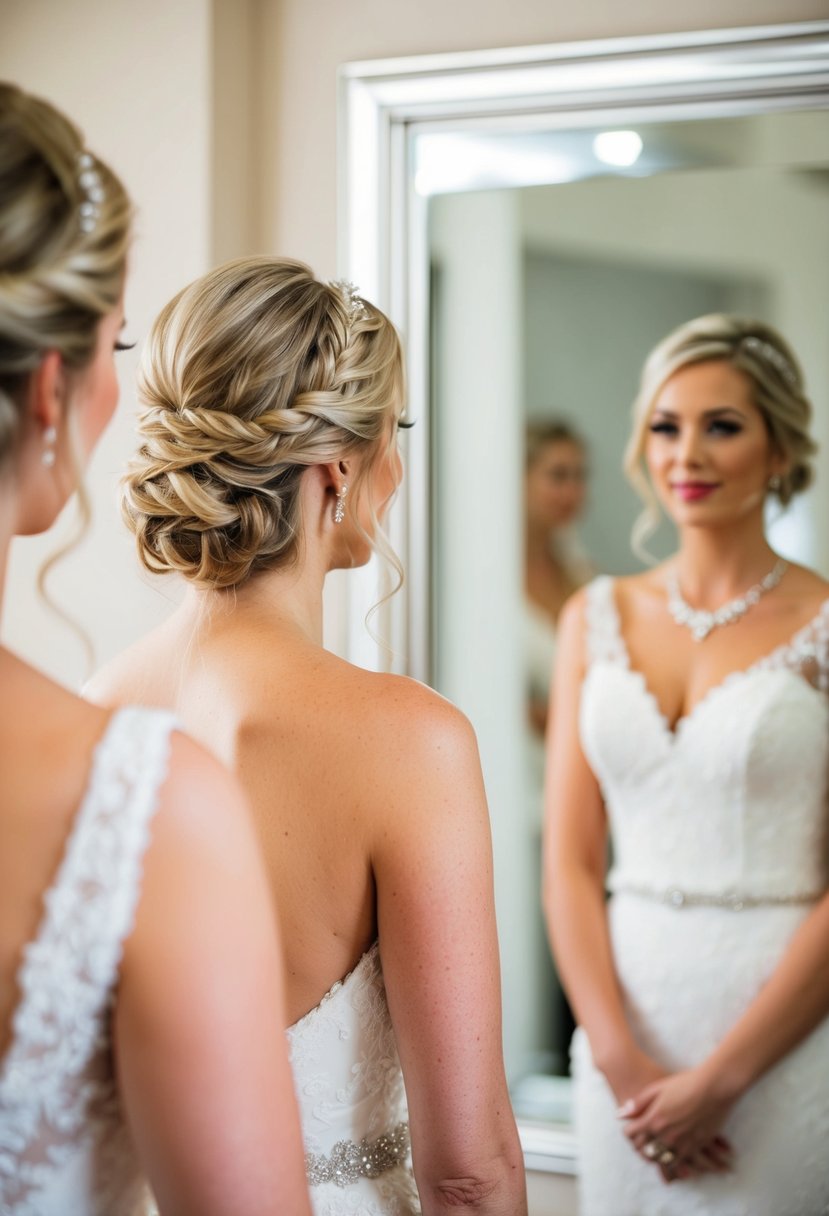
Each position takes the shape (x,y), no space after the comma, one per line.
(774,484)
(50,436)
(339,510)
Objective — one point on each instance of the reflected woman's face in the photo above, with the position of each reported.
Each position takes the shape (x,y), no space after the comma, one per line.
(708,449)
(556,485)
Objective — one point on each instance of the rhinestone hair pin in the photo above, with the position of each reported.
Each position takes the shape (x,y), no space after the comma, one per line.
(772,355)
(351,296)
(91,185)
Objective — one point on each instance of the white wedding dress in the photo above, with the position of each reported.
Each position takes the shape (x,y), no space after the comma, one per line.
(720,834)
(64,1147)
(352,1101)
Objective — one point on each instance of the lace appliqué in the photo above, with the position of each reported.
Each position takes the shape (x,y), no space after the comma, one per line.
(351,1096)
(57,1091)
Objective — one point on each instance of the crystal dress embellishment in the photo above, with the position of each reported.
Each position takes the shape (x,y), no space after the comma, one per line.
(348,1162)
(700,621)
(677,897)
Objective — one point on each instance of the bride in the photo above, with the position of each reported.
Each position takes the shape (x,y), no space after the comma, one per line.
(135,919)
(691,725)
(268,458)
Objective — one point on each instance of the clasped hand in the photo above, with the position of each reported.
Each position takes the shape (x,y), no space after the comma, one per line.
(675,1123)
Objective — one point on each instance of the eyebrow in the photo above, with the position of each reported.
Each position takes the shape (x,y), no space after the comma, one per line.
(712,413)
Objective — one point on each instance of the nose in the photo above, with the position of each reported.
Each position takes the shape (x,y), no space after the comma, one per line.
(689,447)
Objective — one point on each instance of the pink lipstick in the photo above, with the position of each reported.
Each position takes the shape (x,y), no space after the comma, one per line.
(693,491)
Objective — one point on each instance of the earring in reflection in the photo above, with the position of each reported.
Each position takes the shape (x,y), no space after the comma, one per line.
(50,436)
(774,484)
(339,510)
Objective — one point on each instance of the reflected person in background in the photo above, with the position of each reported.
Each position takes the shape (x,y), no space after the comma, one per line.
(269,457)
(555,491)
(691,723)
(140,973)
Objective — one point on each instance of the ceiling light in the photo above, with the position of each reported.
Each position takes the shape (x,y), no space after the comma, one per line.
(619,148)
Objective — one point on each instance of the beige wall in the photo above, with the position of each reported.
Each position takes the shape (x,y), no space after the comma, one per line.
(137,79)
(302,41)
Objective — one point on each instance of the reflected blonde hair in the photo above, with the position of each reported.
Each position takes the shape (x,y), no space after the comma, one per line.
(252,374)
(543,433)
(777,389)
(57,281)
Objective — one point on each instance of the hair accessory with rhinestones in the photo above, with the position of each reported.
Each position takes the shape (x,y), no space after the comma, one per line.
(91,185)
(758,346)
(354,304)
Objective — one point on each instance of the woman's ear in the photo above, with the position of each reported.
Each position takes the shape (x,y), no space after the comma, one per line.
(47,392)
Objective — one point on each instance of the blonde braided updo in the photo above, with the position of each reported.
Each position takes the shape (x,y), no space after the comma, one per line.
(61,271)
(251,374)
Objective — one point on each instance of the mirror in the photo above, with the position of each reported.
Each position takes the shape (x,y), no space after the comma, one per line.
(531,272)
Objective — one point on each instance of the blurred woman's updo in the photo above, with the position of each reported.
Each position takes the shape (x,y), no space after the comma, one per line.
(64,235)
(777,389)
(251,374)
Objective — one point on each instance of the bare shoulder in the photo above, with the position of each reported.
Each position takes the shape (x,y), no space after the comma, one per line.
(403,710)
(806,586)
(124,679)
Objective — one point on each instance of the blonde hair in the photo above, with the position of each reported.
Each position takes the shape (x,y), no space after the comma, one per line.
(59,275)
(543,433)
(777,388)
(252,374)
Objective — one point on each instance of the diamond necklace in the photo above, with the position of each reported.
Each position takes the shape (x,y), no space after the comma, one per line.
(701,622)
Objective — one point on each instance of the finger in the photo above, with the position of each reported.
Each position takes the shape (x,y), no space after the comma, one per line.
(720,1160)
(636,1106)
(638,1124)
(700,1163)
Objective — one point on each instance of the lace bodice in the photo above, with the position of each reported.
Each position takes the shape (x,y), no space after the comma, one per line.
(699,808)
(64,1149)
(350,1091)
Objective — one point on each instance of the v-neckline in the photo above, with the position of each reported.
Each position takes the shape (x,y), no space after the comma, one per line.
(674,729)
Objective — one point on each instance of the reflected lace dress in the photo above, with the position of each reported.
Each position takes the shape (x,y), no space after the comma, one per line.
(721,847)
(352,1101)
(64,1146)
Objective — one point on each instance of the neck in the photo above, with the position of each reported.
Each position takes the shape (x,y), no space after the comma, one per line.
(716,564)
(5,544)
(539,547)
(290,598)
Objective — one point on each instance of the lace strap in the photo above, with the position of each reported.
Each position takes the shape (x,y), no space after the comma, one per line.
(90,908)
(602,637)
(808,651)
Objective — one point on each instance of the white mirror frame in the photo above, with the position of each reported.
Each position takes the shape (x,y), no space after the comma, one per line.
(382,227)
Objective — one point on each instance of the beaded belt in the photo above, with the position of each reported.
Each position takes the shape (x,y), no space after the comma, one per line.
(675,897)
(348,1162)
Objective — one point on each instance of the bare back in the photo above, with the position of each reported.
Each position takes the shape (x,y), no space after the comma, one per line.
(302,729)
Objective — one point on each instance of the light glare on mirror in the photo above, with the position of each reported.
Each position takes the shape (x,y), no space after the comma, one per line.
(622,148)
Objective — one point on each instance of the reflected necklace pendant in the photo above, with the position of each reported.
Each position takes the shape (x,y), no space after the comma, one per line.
(701,622)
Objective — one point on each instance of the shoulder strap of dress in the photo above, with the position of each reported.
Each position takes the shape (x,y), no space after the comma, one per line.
(90,908)
(49,1077)
(602,636)
(808,650)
